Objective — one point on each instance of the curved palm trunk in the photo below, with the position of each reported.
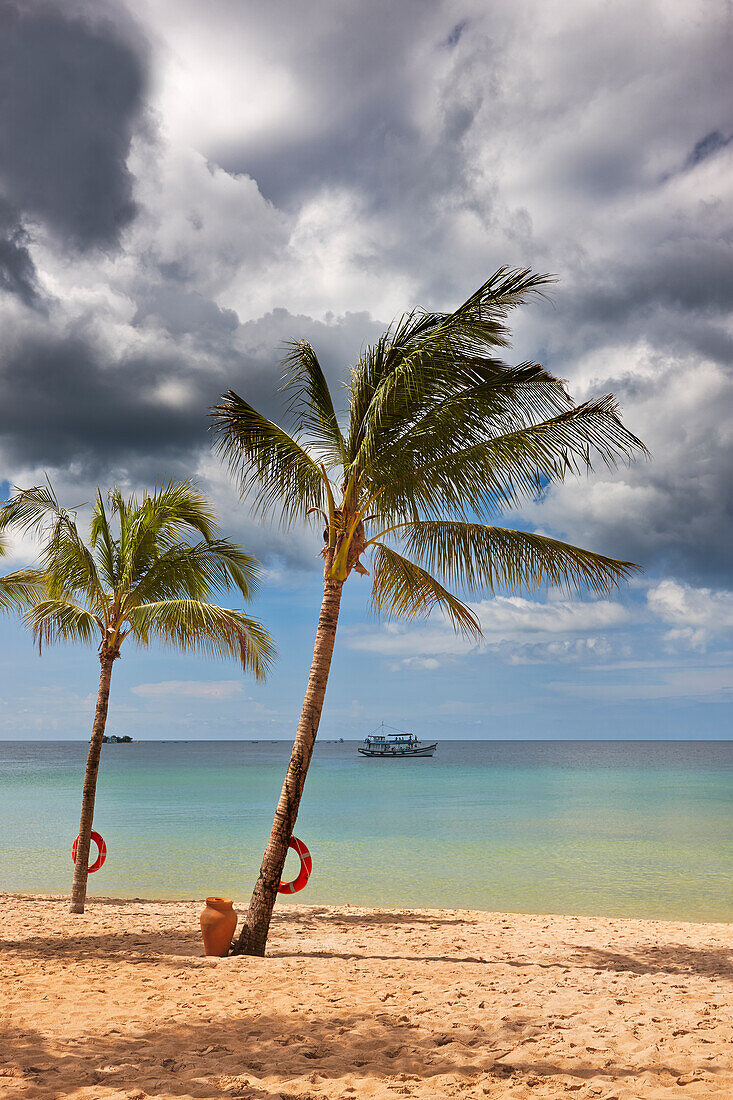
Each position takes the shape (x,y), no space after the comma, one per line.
(253,937)
(81,867)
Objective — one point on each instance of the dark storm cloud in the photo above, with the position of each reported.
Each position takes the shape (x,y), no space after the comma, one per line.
(59,404)
(181,312)
(17,270)
(363,153)
(679,294)
(64,405)
(71,94)
(369,85)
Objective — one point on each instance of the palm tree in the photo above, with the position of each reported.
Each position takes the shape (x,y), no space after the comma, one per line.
(440,437)
(150,578)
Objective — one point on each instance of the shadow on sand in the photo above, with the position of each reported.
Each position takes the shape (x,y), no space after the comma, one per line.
(175,948)
(379,918)
(284,1053)
(709,962)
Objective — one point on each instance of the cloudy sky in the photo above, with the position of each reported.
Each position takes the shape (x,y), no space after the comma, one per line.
(183,187)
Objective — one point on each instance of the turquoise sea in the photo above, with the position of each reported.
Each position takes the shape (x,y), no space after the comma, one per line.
(609,828)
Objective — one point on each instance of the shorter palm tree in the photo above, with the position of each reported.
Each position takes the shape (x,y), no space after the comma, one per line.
(150,579)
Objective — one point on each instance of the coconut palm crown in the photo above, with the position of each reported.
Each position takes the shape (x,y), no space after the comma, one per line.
(439,437)
(147,572)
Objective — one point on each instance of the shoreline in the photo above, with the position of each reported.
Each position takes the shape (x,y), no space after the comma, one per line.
(121,1004)
(284,904)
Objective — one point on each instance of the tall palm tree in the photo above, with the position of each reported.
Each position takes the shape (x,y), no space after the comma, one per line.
(147,572)
(440,437)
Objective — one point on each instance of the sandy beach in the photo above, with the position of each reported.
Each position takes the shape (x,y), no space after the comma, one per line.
(352,1002)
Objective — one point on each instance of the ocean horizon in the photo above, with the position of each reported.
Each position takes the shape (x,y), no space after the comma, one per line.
(606,828)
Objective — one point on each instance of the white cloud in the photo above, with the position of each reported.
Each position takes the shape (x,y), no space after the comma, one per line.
(684,605)
(21,550)
(427,663)
(696,615)
(517,629)
(563,651)
(522,631)
(191,689)
(507,616)
(408,642)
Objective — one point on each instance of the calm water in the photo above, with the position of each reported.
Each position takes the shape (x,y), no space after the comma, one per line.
(624,829)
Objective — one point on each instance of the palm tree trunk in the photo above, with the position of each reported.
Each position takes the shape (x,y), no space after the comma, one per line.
(253,937)
(81,867)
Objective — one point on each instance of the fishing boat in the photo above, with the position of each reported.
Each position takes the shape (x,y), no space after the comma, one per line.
(386,741)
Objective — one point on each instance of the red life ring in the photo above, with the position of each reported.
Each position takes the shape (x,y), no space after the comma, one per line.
(306,866)
(102,851)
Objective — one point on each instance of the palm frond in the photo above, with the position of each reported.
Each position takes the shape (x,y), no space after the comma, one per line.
(21,589)
(481,559)
(194,626)
(151,580)
(69,566)
(60,620)
(179,506)
(103,542)
(156,523)
(29,509)
(197,571)
(403,589)
(65,558)
(501,399)
(310,405)
(272,469)
(490,305)
(427,355)
(485,478)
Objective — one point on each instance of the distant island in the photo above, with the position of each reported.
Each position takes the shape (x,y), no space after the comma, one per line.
(114,740)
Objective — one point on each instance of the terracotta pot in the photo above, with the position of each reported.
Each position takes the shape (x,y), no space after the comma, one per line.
(218,922)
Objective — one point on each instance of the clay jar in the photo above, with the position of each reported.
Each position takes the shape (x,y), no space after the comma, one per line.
(218,922)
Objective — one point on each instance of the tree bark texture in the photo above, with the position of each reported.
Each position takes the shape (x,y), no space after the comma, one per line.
(81,867)
(253,936)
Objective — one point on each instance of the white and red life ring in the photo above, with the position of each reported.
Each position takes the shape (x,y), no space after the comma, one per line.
(306,866)
(101,855)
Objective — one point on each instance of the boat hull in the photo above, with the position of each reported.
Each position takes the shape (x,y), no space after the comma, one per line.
(389,754)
